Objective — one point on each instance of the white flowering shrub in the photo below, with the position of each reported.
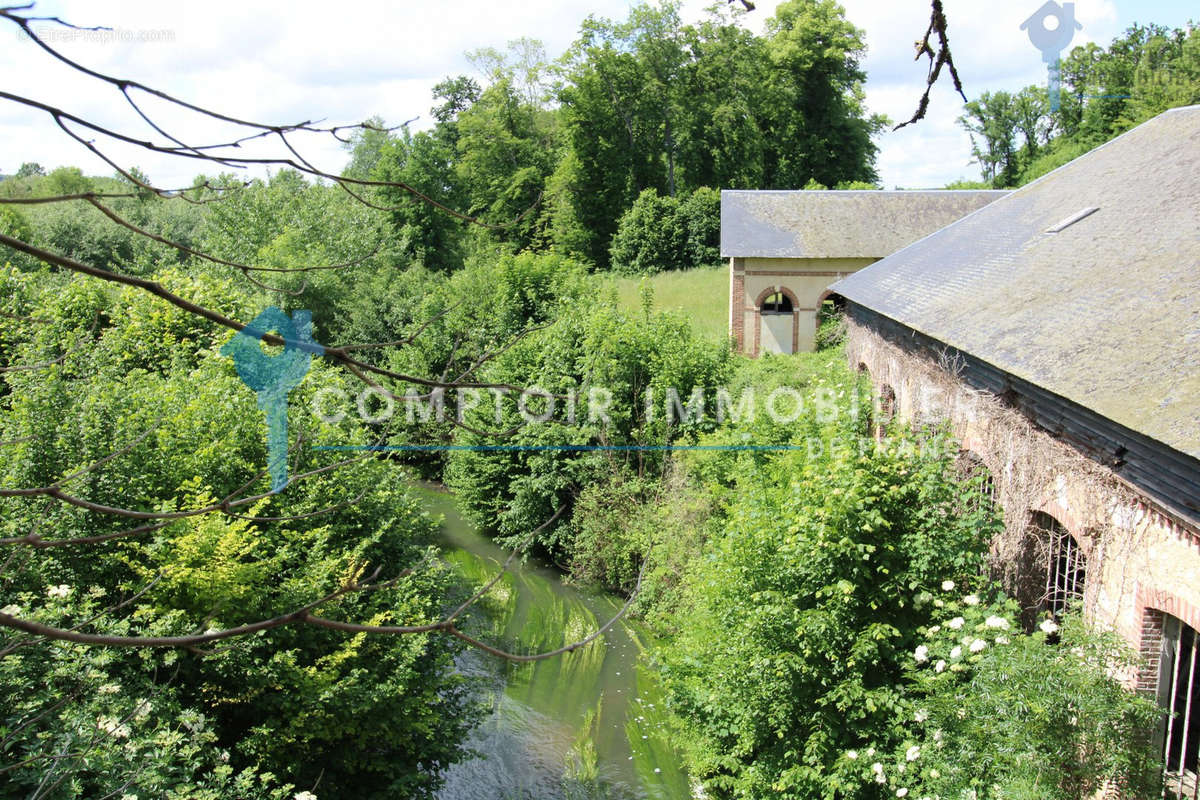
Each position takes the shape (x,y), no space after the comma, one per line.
(995,713)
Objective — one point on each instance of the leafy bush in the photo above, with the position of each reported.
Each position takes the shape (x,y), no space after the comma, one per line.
(592,346)
(699,217)
(665,233)
(834,636)
(362,715)
(797,627)
(1003,715)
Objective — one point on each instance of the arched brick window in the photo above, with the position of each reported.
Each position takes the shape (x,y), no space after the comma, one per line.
(1066,564)
(1173,647)
(776,308)
(970,469)
(777,303)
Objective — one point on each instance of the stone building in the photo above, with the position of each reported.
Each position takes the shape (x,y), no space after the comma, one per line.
(785,248)
(1058,331)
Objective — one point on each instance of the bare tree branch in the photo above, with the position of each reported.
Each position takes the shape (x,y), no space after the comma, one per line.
(942,57)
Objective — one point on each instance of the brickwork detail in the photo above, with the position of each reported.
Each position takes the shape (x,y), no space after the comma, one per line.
(1150,650)
(758,301)
(737,303)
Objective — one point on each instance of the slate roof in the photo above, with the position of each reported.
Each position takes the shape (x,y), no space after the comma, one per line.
(1105,312)
(837,224)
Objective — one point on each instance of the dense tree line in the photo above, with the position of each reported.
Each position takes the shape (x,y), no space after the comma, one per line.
(1105,91)
(554,153)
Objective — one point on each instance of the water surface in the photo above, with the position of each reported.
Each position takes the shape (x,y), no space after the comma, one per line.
(584,725)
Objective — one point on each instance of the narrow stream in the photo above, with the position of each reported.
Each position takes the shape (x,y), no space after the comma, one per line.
(588,725)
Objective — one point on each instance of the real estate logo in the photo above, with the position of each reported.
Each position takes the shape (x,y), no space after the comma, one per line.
(273,376)
(1051,29)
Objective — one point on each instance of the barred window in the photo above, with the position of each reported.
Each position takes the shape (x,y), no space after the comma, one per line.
(1066,564)
(971,470)
(1179,697)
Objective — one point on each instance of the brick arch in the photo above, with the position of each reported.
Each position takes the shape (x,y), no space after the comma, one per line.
(1069,520)
(1154,605)
(1163,601)
(828,294)
(758,301)
(770,290)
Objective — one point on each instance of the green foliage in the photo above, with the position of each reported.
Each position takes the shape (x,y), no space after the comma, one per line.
(661,233)
(82,721)
(798,625)
(30,169)
(14,224)
(963,183)
(1106,91)
(361,715)
(648,239)
(366,148)
(424,161)
(1007,715)
(651,104)
(592,346)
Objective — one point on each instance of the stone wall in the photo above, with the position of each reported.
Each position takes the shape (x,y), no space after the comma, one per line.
(1141,561)
(804,280)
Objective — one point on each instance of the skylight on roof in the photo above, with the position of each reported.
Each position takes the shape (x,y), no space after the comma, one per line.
(1071,220)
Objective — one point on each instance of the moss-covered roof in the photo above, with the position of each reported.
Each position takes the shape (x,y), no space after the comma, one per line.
(837,224)
(1104,312)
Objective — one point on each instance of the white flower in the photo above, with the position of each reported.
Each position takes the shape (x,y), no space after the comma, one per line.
(921,654)
(870,752)
(956,652)
(851,754)
(935,629)
(937,737)
(304,796)
(1001,640)
(61,591)
(971,599)
(224,756)
(879,778)
(1049,626)
(877,768)
(913,753)
(939,603)
(109,688)
(113,727)
(947,586)
(921,715)
(978,645)
(901,792)
(11,610)
(996,622)
(142,709)
(129,797)
(933,773)
(939,666)
(955,623)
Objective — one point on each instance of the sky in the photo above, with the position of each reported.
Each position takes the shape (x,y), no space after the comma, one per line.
(279,62)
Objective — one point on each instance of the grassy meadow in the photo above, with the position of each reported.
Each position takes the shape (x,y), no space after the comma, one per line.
(701,293)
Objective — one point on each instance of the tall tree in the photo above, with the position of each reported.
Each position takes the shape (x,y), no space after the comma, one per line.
(992,124)
(816,118)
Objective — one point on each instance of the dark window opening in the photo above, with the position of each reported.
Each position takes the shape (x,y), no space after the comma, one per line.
(887,404)
(778,303)
(1179,696)
(1066,565)
(972,471)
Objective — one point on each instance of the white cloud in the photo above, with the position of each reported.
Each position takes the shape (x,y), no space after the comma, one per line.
(283,62)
